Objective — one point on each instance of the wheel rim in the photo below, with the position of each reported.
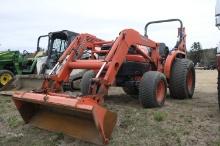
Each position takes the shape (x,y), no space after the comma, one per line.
(160,91)
(5,78)
(189,80)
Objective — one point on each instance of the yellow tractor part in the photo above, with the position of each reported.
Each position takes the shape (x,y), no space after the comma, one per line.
(5,77)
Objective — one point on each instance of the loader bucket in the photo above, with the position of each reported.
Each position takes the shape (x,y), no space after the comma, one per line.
(23,83)
(81,118)
(28,82)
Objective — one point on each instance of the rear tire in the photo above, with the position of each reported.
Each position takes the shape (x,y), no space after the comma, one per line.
(182,79)
(5,77)
(86,81)
(152,89)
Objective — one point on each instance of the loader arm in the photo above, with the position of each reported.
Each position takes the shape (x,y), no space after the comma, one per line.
(112,62)
(120,48)
(117,56)
(61,72)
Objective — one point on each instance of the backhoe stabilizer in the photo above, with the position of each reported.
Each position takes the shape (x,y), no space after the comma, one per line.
(82,118)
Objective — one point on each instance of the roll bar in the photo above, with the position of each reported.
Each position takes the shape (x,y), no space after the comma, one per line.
(38,41)
(162,21)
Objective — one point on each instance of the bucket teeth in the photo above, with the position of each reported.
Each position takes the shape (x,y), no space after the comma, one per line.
(83,119)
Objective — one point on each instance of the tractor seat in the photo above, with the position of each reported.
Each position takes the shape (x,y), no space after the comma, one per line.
(163,50)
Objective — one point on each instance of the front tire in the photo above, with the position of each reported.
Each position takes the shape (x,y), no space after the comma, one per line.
(86,81)
(5,77)
(152,89)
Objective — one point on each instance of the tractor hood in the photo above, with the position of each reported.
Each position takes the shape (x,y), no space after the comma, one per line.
(8,55)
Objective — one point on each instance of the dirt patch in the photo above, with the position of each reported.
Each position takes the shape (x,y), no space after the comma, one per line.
(180,122)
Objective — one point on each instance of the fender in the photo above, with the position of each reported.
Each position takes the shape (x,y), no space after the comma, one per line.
(169,61)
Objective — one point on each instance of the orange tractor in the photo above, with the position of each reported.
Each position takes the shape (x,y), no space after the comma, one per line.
(134,62)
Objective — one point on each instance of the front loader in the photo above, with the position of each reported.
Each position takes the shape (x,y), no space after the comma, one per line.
(138,64)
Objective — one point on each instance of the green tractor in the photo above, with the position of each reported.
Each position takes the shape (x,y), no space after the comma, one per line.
(49,49)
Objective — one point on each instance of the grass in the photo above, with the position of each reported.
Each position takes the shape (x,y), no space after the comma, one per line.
(216,143)
(5,103)
(14,121)
(159,116)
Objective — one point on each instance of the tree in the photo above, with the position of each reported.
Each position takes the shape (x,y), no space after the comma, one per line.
(195,53)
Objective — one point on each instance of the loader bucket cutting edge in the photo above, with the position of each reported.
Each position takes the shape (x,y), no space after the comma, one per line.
(85,120)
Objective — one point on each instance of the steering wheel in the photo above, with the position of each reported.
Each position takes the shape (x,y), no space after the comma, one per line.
(25,52)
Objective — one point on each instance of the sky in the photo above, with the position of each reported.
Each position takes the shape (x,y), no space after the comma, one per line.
(22,21)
